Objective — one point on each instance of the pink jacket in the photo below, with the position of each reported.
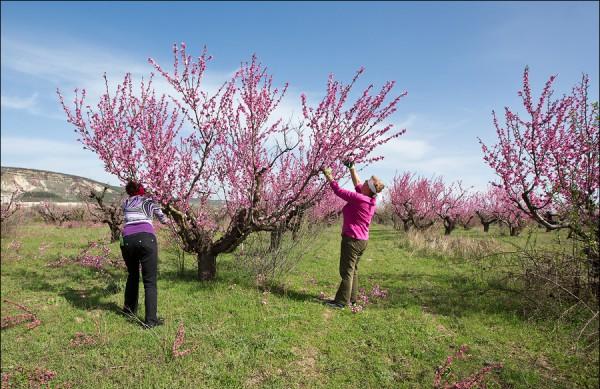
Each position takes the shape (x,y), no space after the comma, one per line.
(358,212)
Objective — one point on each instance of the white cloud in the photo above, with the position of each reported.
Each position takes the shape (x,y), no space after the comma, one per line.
(67,61)
(423,150)
(31,105)
(405,149)
(70,64)
(14,102)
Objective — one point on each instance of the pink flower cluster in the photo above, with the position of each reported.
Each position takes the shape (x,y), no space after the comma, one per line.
(178,342)
(363,299)
(40,377)
(81,339)
(377,292)
(348,134)
(414,200)
(10,321)
(96,255)
(85,258)
(326,208)
(37,378)
(6,380)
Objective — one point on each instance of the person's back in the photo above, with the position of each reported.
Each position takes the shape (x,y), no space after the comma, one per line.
(358,211)
(140,209)
(139,246)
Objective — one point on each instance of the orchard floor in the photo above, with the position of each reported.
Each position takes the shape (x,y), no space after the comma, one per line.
(242,336)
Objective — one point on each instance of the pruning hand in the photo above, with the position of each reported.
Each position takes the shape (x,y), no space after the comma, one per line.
(327,172)
(349,164)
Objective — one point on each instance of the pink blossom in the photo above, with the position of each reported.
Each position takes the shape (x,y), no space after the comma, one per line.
(195,146)
(548,159)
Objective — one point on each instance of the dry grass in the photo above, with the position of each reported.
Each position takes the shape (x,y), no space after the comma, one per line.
(432,243)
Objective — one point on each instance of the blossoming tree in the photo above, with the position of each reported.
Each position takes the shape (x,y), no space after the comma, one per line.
(488,205)
(399,194)
(416,200)
(196,146)
(468,209)
(452,206)
(549,159)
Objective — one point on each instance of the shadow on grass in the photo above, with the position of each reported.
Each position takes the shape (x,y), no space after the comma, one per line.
(65,282)
(453,295)
(226,275)
(295,295)
(90,298)
(448,295)
(188,275)
(33,280)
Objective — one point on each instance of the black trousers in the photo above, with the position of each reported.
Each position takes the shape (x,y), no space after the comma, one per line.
(141,248)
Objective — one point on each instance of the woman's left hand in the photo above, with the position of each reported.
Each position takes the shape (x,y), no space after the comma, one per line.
(327,172)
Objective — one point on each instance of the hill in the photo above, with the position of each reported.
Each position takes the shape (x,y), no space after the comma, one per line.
(42,185)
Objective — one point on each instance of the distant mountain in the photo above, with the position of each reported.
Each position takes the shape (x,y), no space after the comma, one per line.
(42,185)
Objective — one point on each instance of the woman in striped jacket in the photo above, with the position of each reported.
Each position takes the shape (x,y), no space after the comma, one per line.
(139,246)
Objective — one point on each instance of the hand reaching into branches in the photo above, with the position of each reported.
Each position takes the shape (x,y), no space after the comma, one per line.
(327,173)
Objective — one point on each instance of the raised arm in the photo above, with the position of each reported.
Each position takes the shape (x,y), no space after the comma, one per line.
(339,192)
(355,179)
(156,211)
(353,173)
(346,195)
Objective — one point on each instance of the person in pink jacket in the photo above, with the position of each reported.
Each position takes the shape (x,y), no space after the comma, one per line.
(357,214)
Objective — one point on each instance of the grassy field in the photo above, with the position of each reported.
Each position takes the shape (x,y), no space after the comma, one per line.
(243,336)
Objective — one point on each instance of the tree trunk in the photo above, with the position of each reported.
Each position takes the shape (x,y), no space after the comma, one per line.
(296,224)
(115,233)
(207,266)
(486,227)
(406,225)
(276,236)
(514,231)
(449,226)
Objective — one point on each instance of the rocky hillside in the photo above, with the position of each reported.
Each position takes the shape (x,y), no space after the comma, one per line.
(41,185)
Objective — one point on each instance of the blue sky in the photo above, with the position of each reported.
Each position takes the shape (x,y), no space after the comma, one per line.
(457,60)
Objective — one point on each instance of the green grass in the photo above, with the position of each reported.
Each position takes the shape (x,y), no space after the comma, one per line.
(291,341)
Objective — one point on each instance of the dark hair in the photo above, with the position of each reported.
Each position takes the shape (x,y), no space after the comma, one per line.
(132,188)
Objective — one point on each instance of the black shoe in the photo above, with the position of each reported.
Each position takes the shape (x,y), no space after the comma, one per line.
(334,304)
(152,324)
